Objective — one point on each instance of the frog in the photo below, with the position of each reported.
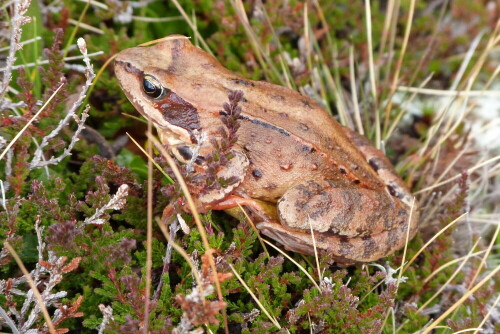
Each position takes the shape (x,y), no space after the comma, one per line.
(310,183)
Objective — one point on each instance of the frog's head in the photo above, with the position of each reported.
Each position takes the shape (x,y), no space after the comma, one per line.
(163,83)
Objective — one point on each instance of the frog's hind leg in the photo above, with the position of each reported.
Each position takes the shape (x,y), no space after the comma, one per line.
(357,223)
(344,251)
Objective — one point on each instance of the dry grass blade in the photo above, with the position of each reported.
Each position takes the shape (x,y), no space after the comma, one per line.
(273,319)
(469,171)
(294,262)
(469,81)
(467,330)
(181,251)
(20,133)
(192,26)
(446,265)
(453,93)
(149,236)
(96,4)
(255,229)
(394,122)
(150,158)
(184,188)
(315,251)
(387,25)
(75,29)
(354,93)
(399,62)
(196,217)
(23,43)
(492,42)
(448,281)
(159,40)
(371,66)
(406,242)
(492,308)
(485,257)
(431,240)
(431,44)
(390,312)
(486,279)
(33,287)
(262,56)
(86,26)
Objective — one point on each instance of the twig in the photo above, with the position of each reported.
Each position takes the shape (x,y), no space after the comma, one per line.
(19,134)
(34,290)
(107,312)
(174,227)
(45,62)
(37,162)
(19,9)
(117,202)
(9,321)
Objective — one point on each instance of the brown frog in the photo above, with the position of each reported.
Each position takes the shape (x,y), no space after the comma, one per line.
(291,155)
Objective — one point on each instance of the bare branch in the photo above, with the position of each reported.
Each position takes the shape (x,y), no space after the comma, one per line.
(174,227)
(18,19)
(48,273)
(37,162)
(117,202)
(107,312)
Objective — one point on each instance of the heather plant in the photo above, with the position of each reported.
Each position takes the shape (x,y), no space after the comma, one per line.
(79,253)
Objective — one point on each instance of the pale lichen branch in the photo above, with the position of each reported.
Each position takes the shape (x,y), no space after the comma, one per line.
(37,161)
(117,202)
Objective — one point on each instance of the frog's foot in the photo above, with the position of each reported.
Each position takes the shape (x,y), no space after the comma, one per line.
(235,170)
(355,224)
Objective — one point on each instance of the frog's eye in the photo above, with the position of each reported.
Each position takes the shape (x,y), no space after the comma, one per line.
(152,87)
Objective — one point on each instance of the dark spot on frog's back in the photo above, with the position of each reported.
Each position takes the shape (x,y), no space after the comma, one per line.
(270,186)
(242,82)
(375,163)
(344,239)
(393,192)
(179,112)
(308,149)
(276,97)
(207,66)
(196,86)
(257,173)
(176,48)
(369,246)
(303,127)
(306,103)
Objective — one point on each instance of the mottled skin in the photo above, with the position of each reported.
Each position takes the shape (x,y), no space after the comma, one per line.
(290,153)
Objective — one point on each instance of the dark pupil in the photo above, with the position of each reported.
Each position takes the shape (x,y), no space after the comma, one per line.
(151,88)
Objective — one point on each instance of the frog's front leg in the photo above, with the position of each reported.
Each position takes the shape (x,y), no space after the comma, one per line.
(352,224)
(234,170)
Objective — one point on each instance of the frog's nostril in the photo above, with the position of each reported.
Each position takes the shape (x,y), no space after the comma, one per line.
(127,66)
